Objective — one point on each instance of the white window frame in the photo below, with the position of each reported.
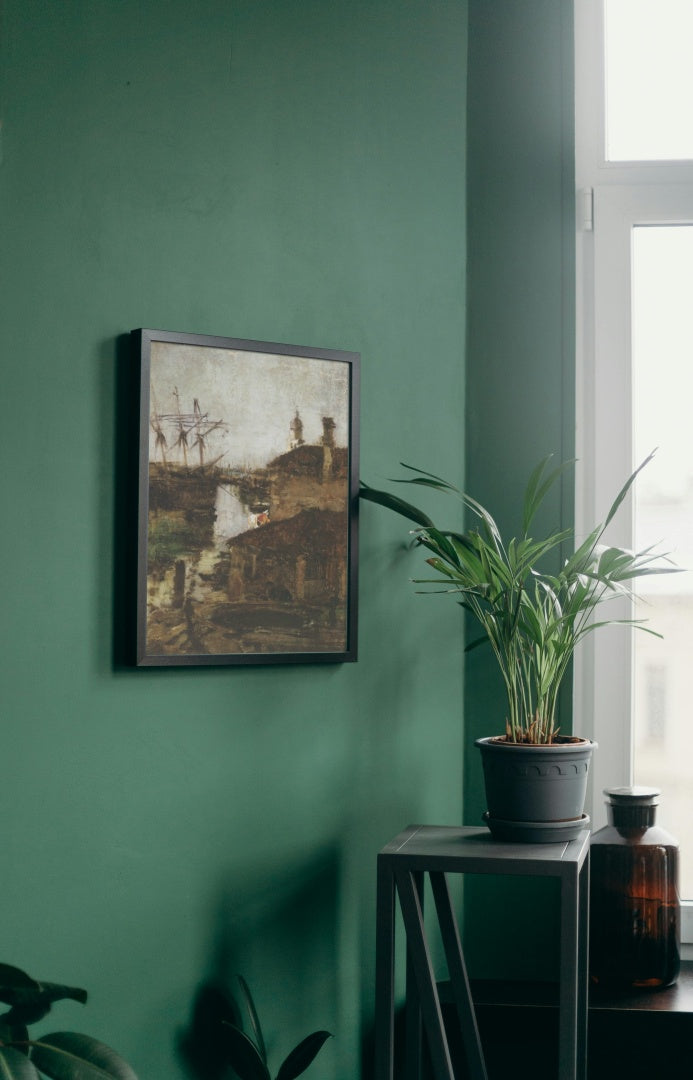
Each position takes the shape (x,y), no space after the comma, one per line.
(611,198)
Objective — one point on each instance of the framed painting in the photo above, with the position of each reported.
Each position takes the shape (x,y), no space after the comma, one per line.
(248,501)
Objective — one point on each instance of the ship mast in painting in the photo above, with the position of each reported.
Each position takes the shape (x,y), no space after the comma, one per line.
(190,431)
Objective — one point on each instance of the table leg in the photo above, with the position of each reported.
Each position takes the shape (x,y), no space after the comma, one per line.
(458,977)
(412,1067)
(568,985)
(583,968)
(425,978)
(385,972)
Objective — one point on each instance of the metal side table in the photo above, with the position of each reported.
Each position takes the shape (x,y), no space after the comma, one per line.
(437,851)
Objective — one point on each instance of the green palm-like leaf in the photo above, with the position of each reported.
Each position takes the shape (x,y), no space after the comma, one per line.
(491,529)
(431,476)
(533,619)
(384,498)
(537,488)
(582,557)
(426,479)
(302,1055)
(440,566)
(243,1055)
(253,1017)
(625,489)
(471,645)
(14,1065)
(66,1055)
(467,556)
(443,544)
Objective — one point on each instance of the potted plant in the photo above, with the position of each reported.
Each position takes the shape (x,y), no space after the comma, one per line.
(533,618)
(63,1055)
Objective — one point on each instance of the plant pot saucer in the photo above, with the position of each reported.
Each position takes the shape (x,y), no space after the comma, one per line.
(535,832)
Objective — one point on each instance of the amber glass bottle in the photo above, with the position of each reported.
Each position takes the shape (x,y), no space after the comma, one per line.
(635,915)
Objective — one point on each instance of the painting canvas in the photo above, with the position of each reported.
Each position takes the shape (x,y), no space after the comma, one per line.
(248,496)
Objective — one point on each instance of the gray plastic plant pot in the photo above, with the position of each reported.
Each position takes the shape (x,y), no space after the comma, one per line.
(536,786)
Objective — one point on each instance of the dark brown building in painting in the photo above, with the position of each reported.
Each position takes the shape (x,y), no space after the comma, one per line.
(300,559)
(300,555)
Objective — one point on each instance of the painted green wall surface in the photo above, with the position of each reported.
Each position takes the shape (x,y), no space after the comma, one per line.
(520,366)
(277,171)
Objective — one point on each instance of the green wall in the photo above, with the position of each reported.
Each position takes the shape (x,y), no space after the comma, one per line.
(278,171)
(520,364)
(290,172)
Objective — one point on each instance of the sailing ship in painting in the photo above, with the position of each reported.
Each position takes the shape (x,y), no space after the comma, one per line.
(180,471)
(244,559)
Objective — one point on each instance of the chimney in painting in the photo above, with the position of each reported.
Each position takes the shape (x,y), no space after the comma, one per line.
(328,426)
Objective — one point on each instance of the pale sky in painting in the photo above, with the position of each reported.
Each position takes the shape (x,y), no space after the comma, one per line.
(255,394)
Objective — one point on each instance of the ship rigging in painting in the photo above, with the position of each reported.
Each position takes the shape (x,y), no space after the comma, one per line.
(181,473)
(248,490)
(187,432)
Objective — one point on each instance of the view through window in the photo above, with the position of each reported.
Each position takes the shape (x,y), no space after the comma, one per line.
(662,352)
(649,79)
(634,165)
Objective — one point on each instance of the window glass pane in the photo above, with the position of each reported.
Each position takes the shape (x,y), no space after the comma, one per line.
(663,418)
(649,79)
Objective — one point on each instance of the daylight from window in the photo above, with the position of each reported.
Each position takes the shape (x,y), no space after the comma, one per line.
(649,79)
(662,335)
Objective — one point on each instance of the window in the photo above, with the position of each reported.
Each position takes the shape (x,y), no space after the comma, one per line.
(651,709)
(648,80)
(634,165)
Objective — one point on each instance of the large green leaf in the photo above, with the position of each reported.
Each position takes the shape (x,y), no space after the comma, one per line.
(243,1055)
(31,1000)
(13,978)
(14,1065)
(301,1056)
(16,1035)
(66,1055)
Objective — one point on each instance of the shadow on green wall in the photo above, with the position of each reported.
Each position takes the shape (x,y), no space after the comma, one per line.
(272,924)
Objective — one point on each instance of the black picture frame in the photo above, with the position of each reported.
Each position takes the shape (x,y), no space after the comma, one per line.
(248,501)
